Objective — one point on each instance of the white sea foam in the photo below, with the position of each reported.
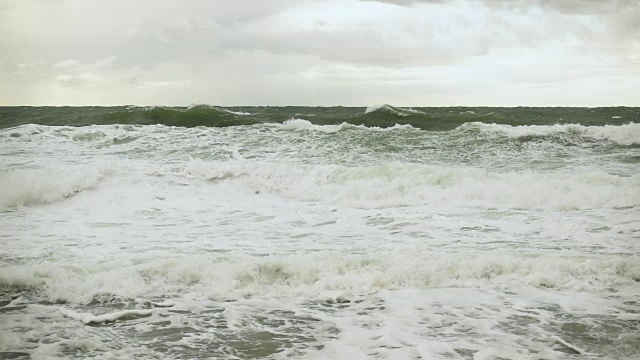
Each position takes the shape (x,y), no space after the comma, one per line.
(411,184)
(320,276)
(56,137)
(97,319)
(261,247)
(195,106)
(237,112)
(391,109)
(41,186)
(399,303)
(628,134)
(302,124)
(413,111)
(372,108)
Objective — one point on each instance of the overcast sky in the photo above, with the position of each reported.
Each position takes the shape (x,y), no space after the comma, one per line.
(320,52)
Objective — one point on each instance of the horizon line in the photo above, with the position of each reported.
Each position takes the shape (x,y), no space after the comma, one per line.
(327,106)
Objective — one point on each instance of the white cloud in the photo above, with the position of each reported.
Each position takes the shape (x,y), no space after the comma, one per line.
(171,84)
(71,65)
(564,6)
(66,64)
(133,30)
(75,81)
(31,65)
(103,63)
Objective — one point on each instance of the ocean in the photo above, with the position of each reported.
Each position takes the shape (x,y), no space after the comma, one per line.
(319,233)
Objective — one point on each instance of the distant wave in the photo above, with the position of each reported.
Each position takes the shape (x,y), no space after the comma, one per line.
(238,112)
(302,124)
(198,115)
(218,108)
(385,108)
(387,116)
(382,116)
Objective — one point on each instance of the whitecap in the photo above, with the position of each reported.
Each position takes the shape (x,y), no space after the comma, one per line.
(42,186)
(109,317)
(400,184)
(628,134)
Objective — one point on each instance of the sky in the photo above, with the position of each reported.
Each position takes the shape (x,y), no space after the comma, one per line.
(320,52)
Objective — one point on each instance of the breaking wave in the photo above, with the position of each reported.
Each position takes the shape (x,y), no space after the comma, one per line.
(302,124)
(400,184)
(42,186)
(432,119)
(392,110)
(321,276)
(627,135)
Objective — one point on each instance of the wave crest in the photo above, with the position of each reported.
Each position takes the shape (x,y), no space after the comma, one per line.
(392,110)
(626,135)
(402,184)
(314,276)
(302,124)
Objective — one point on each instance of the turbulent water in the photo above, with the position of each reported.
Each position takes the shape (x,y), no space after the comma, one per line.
(313,233)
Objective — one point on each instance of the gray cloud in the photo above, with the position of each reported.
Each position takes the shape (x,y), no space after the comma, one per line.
(288,51)
(407,2)
(564,6)
(77,81)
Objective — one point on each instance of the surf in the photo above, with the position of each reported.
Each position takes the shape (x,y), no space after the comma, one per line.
(399,184)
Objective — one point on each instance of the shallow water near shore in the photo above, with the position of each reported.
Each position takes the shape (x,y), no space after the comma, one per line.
(297,238)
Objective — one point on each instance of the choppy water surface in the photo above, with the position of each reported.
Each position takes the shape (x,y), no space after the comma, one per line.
(311,239)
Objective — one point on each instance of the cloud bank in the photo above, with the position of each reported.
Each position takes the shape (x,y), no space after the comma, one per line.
(320,52)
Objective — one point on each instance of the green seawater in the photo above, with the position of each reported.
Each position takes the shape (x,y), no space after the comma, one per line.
(425,118)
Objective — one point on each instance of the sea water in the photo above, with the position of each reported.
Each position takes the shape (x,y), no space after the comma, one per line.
(488,238)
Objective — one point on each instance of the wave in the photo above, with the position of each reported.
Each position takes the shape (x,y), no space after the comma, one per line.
(627,135)
(321,276)
(238,112)
(100,135)
(385,108)
(302,124)
(432,119)
(387,116)
(43,186)
(218,108)
(110,317)
(402,184)
(198,115)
